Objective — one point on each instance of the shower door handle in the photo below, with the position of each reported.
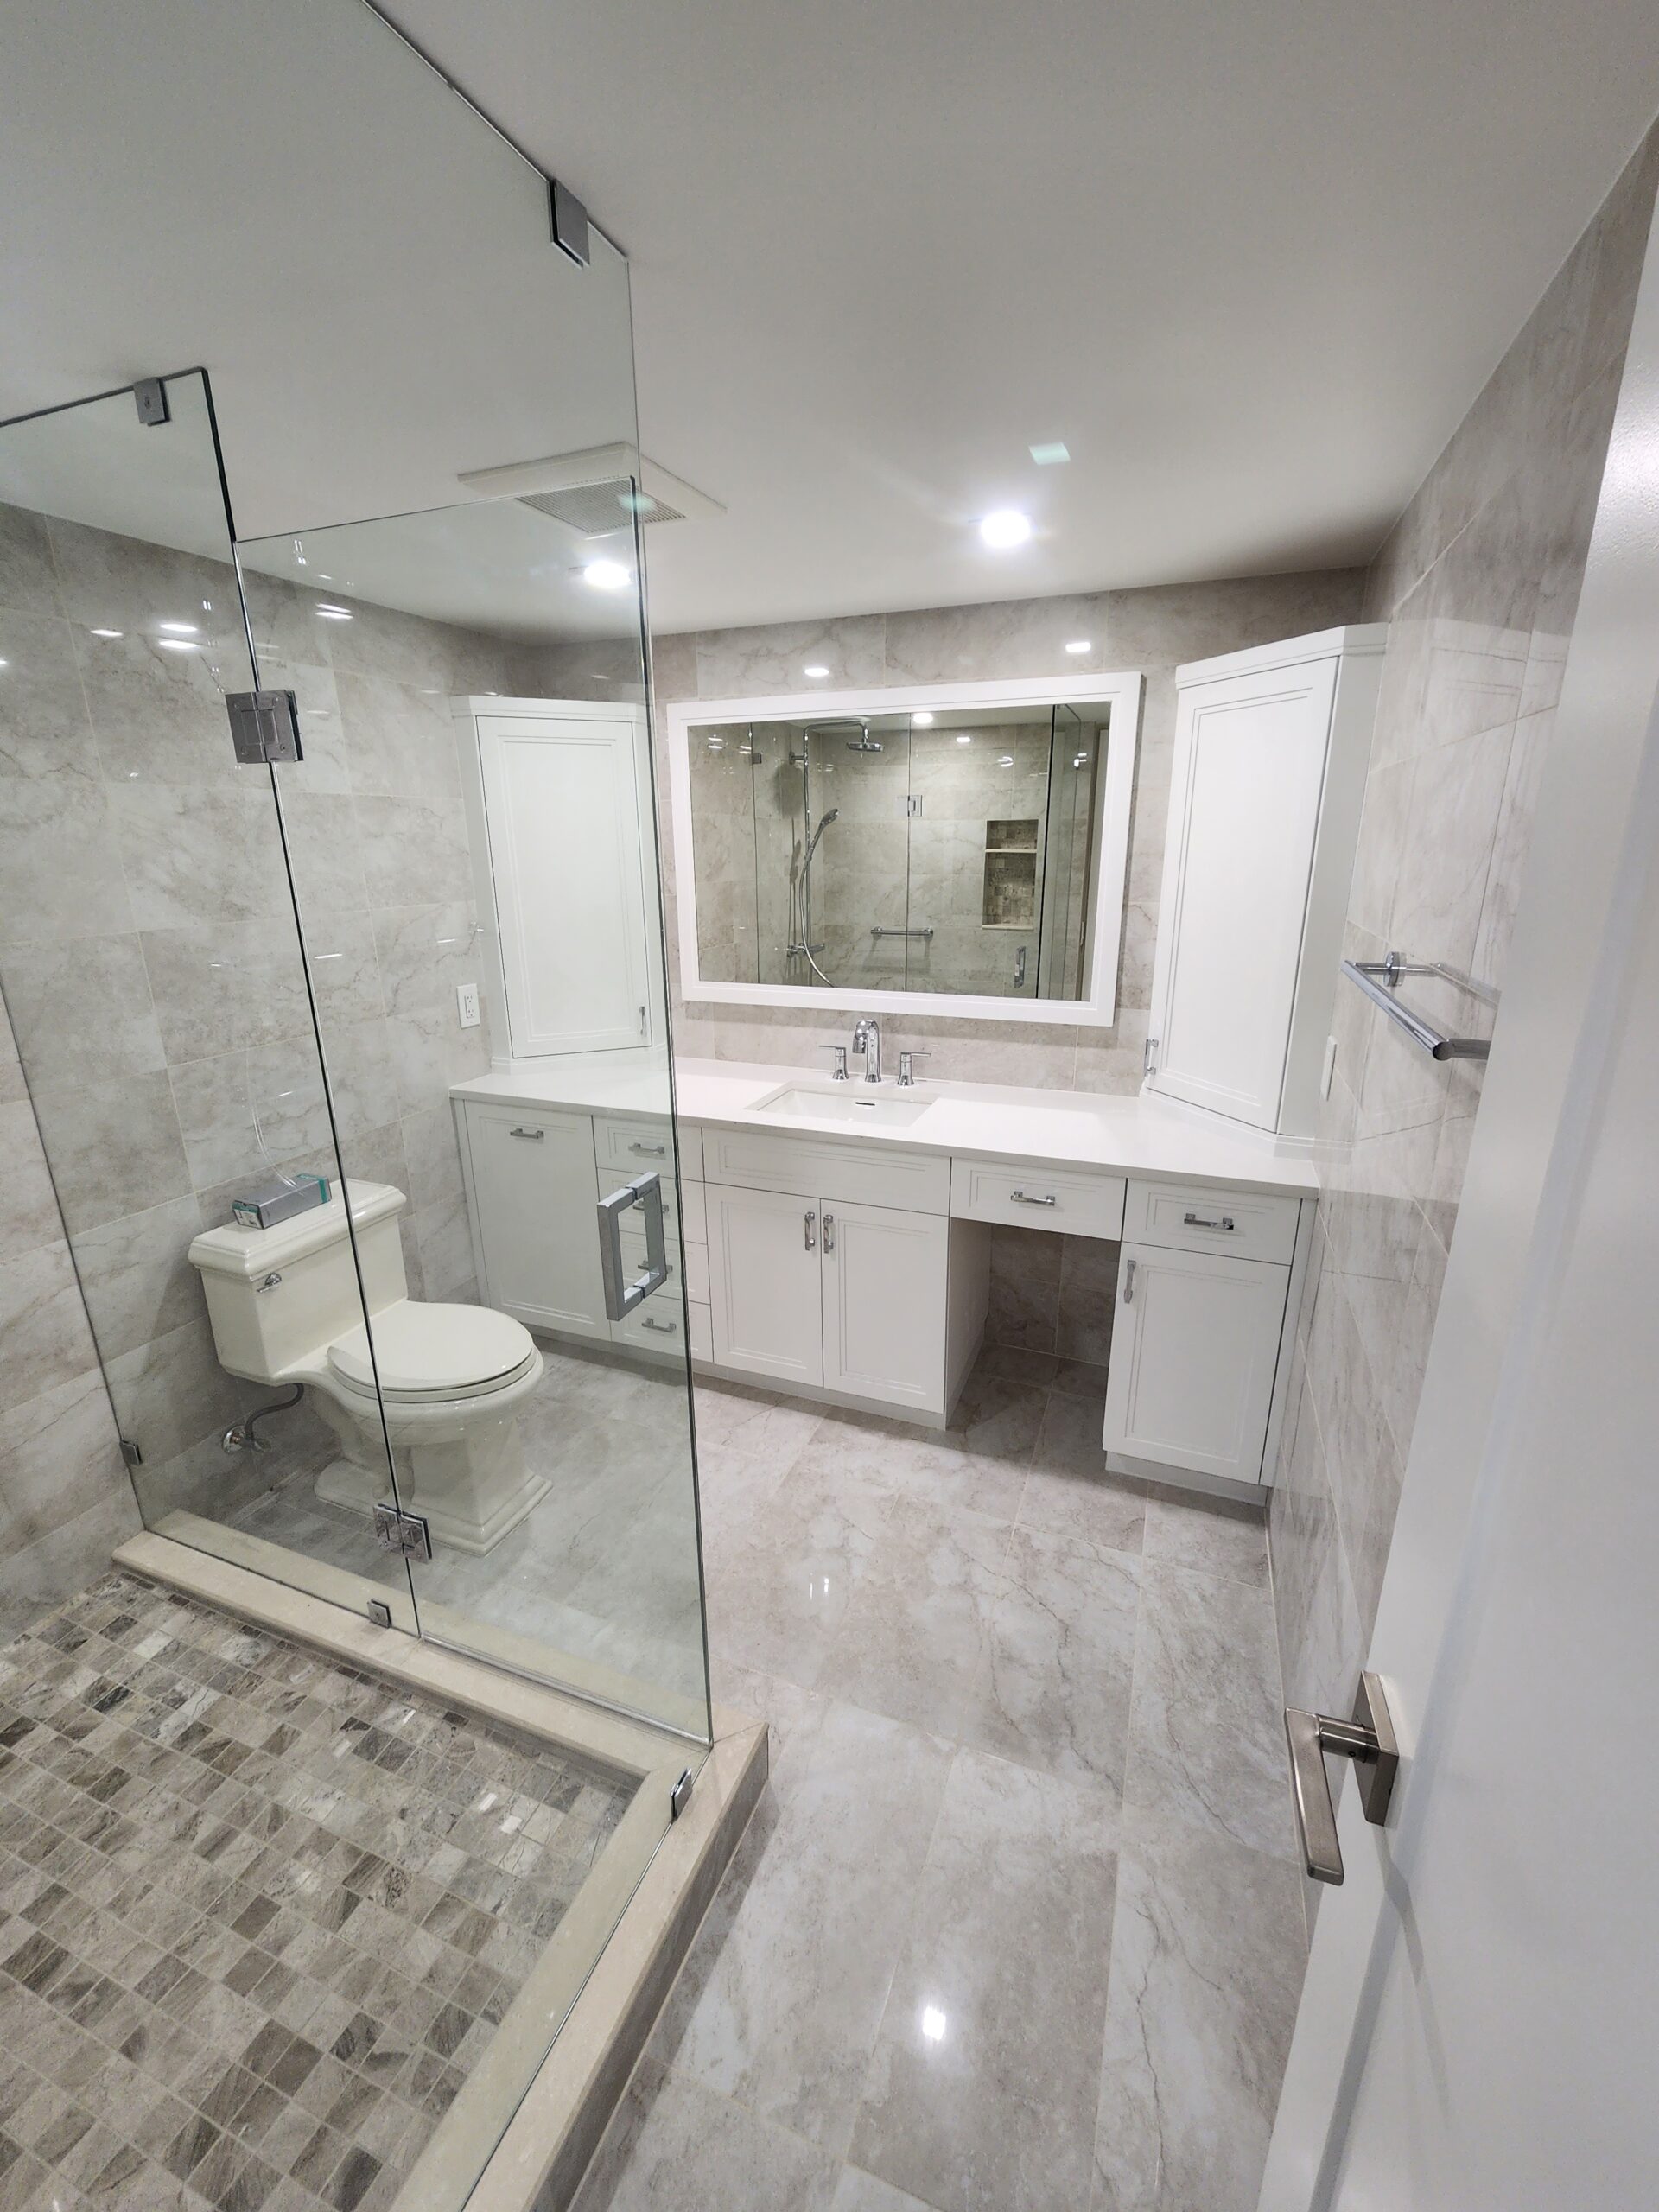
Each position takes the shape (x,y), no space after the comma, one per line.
(622,1296)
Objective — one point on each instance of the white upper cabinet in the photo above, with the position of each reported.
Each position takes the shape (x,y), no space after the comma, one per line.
(557,805)
(1271,752)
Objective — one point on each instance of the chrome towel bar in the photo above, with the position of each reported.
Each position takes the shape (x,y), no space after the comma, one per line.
(877,931)
(1377,979)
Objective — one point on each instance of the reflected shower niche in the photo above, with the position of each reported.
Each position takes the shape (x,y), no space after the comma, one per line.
(959,849)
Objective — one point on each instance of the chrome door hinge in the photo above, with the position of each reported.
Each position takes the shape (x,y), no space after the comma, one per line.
(566,220)
(130,1452)
(679,1795)
(265,725)
(149,397)
(405,1534)
(913,802)
(379,1612)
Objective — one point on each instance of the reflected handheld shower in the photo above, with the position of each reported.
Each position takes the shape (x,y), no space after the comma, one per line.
(825,820)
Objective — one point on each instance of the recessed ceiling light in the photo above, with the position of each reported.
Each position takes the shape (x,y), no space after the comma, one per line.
(333,614)
(1005,760)
(965,737)
(924,720)
(109,633)
(184,629)
(606,576)
(1049,457)
(934,2023)
(1080,646)
(1005,526)
(177,644)
(815,668)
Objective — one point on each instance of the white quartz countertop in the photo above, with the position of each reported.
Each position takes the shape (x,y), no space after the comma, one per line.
(975,1121)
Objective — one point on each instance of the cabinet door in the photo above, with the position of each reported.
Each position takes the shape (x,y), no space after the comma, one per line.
(763,1280)
(534,1221)
(1195,1342)
(561,803)
(1245,811)
(884,1303)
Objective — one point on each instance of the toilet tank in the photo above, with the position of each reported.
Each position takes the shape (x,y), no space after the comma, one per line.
(263,1328)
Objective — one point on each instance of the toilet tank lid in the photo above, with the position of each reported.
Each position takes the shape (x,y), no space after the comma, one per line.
(233,1250)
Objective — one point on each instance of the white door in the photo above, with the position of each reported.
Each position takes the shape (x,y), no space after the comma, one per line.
(562,810)
(884,1303)
(1478,2025)
(1195,1341)
(764,1288)
(1244,811)
(534,1221)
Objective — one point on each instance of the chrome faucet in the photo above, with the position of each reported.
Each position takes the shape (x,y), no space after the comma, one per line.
(866,1039)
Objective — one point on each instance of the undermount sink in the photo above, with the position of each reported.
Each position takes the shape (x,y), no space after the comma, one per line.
(844,1101)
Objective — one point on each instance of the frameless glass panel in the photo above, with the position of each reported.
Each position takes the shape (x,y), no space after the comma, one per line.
(476,869)
(153,975)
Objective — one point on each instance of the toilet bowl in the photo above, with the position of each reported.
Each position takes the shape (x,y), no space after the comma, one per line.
(451,1381)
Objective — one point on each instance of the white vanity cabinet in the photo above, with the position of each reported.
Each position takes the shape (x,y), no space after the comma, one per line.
(1271,752)
(813,1283)
(558,793)
(1199,1328)
(530,1177)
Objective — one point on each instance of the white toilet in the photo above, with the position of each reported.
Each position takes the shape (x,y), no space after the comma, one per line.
(285,1309)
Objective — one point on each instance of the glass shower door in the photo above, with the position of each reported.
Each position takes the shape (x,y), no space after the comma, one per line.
(155,981)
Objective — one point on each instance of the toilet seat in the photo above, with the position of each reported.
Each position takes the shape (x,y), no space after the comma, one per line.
(425,1351)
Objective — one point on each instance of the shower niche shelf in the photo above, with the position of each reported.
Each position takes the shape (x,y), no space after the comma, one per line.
(1009,901)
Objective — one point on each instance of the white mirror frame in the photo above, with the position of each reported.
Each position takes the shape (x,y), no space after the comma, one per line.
(1121,692)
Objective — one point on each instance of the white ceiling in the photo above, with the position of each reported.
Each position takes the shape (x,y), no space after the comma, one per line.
(1251,263)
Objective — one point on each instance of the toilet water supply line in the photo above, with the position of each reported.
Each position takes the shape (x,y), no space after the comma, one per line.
(241,1438)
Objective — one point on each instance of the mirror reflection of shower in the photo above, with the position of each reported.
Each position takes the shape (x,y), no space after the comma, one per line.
(802,944)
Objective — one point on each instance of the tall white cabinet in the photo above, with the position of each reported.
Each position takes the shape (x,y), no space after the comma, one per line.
(558,798)
(1272,747)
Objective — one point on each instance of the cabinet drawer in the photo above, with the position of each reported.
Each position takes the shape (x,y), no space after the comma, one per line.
(824,1168)
(1066,1199)
(658,1324)
(633,1145)
(1204,1217)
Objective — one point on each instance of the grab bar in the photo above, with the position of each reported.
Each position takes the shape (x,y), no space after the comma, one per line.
(621,1298)
(926,933)
(1377,979)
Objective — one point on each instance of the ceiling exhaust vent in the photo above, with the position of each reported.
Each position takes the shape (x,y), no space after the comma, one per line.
(596,491)
(598,509)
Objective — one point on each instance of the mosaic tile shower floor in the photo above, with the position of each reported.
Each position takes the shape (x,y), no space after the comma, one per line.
(259,1912)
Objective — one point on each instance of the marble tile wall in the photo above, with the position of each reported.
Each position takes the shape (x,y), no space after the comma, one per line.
(156,992)
(1154,629)
(1479,579)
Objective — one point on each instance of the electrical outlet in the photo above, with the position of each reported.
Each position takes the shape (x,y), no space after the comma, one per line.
(466,1000)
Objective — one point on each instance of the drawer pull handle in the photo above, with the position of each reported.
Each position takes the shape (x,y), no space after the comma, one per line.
(811,1229)
(534,1136)
(650,1151)
(1208,1221)
(1019,1198)
(663,1328)
(1128,1284)
(829,1232)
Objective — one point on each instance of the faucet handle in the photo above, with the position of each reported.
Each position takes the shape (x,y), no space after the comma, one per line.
(907,1068)
(838,1068)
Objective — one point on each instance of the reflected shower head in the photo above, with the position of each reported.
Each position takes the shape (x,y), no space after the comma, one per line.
(865,744)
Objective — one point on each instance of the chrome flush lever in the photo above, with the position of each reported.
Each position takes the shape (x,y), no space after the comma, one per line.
(1368,1740)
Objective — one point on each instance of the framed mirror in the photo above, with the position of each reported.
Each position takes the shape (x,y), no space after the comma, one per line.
(954,848)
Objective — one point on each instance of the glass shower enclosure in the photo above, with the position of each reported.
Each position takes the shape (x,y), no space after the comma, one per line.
(331,943)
